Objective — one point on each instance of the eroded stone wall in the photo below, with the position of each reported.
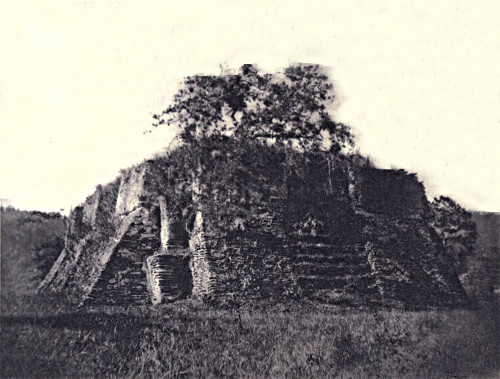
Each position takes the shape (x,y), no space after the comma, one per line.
(123,279)
(131,190)
(322,228)
(200,266)
(105,249)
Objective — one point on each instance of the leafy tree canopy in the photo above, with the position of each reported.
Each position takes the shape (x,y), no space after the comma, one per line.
(289,108)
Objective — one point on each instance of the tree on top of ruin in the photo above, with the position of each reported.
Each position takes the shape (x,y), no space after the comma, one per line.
(289,108)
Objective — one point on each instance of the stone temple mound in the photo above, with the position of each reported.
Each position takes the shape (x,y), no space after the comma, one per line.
(256,222)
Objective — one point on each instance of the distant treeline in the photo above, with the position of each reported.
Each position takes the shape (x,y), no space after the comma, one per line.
(30,243)
(482,279)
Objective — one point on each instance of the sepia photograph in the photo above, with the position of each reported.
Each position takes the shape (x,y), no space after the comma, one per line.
(249,189)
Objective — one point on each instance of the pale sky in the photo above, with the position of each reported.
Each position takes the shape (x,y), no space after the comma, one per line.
(79,81)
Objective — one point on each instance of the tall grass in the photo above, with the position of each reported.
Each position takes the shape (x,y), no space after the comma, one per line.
(191,340)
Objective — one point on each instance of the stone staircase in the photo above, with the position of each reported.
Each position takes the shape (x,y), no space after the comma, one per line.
(333,273)
(123,279)
(170,277)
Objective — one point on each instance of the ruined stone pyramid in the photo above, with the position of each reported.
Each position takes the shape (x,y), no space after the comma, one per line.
(256,223)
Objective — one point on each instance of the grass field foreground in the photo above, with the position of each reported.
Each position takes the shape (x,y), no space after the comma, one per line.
(189,339)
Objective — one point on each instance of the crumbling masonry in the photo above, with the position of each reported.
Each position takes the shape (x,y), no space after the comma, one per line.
(336,232)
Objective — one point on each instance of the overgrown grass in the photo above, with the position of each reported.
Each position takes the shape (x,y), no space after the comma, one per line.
(188,339)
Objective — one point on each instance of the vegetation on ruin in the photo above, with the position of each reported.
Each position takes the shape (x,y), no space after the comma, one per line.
(290,108)
(222,120)
(235,127)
